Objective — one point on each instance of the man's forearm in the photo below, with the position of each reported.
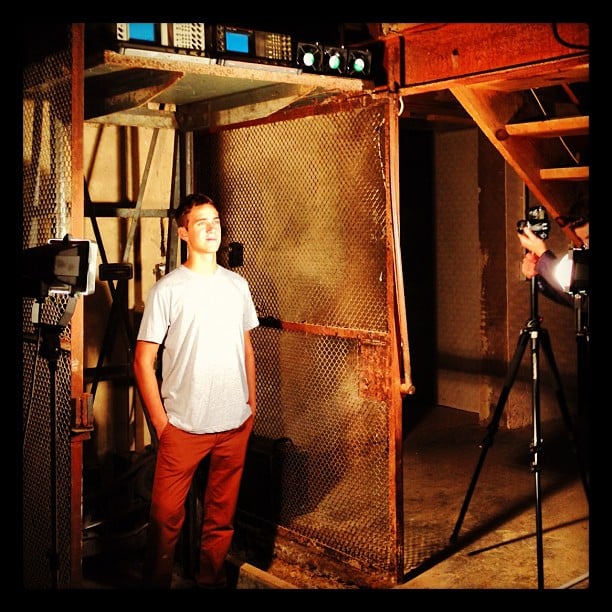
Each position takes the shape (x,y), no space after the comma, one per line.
(148,386)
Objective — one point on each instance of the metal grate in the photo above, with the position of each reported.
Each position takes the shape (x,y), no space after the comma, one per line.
(333,481)
(46,214)
(310,212)
(320,202)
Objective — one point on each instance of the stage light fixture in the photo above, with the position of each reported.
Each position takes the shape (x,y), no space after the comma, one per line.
(335,60)
(64,266)
(359,63)
(572,271)
(309,57)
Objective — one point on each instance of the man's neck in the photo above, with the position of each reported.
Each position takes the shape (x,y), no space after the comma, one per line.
(203,263)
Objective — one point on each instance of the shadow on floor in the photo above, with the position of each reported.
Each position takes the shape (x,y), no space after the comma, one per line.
(493,543)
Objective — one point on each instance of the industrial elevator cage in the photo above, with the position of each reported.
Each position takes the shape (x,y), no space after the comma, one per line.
(309,199)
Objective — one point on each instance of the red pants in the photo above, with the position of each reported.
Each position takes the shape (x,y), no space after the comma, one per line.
(178,456)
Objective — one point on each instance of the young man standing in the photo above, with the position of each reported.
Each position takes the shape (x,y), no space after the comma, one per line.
(202,315)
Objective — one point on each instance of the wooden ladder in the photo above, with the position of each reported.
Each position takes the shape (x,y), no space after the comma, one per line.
(528,146)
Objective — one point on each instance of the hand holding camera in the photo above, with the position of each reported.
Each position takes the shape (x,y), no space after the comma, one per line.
(536,221)
(531,242)
(534,230)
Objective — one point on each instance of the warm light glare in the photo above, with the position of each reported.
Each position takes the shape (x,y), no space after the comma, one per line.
(563,272)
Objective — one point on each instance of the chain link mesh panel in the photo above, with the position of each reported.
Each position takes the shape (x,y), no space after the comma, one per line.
(307,200)
(332,474)
(46,381)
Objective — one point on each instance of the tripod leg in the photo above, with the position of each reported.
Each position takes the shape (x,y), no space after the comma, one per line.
(493,426)
(546,346)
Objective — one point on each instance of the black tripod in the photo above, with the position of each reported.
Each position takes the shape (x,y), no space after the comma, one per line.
(536,335)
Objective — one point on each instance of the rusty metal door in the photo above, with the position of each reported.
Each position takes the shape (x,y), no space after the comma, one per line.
(307,201)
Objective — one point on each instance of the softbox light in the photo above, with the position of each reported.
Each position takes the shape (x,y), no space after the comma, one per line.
(579,281)
(572,271)
(64,266)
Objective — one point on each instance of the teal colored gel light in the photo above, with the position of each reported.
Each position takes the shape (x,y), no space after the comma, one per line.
(358,65)
(334,62)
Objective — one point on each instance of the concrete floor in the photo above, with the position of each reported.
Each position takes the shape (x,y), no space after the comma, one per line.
(495,547)
(496,539)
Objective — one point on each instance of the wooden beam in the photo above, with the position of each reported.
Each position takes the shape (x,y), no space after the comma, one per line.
(491,110)
(550,128)
(440,53)
(448,50)
(124,90)
(516,78)
(241,107)
(574,173)
(140,117)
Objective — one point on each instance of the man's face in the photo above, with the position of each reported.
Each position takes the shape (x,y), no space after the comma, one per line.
(203,231)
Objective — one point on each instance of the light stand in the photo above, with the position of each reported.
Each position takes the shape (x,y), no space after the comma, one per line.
(50,349)
(534,334)
(66,267)
(579,287)
(582,351)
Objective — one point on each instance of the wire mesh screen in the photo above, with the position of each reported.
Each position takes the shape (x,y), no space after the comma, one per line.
(306,201)
(46,362)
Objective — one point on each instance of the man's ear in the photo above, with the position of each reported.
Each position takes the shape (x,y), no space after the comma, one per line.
(182,233)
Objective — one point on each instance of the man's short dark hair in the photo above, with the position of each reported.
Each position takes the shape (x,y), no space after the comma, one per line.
(187,203)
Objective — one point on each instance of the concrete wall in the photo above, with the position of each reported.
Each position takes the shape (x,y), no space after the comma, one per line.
(480,313)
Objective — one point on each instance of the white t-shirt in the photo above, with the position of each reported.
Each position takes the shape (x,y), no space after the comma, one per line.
(201,321)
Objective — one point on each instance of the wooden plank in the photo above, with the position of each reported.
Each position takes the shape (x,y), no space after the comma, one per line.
(447,51)
(124,90)
(241,107)
(140,117)
(574,173)
(564,126)
(491,110)
(370,336)
(516,78)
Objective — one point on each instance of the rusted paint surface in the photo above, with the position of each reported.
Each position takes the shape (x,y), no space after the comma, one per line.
(374,379)
(449,50)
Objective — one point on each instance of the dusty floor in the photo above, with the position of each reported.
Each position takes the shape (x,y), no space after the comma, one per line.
(496,538)
(492,544)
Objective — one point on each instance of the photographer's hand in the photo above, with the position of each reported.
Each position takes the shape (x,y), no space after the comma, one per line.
(531,242)
(528,265)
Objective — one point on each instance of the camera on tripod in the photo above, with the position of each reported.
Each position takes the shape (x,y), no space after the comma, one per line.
(536,221)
